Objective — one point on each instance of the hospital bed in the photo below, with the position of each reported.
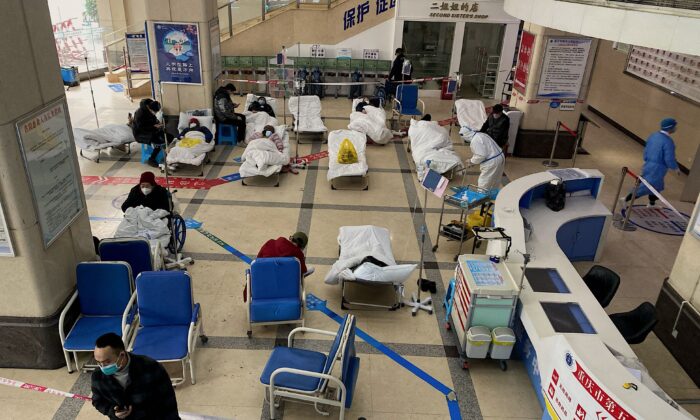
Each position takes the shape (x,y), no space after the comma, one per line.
(250,98)
(366,258)
(255,122)
(373,123)
(432,148)
(95,141)
(471,114)
(306,114)
(262,162)
(347,176)
(193,150)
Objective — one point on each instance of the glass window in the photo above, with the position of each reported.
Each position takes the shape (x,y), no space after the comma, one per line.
(78,34)
(428,45)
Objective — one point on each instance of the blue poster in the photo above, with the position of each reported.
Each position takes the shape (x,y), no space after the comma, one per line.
(177,46)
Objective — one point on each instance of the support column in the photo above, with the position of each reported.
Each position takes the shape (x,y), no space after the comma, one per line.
(38,280)
(181,97)
(540,116)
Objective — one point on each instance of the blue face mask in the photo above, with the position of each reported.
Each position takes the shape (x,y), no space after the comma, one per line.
(111,369)
(267,133)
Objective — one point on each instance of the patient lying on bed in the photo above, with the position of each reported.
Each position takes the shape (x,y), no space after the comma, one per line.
(269,133)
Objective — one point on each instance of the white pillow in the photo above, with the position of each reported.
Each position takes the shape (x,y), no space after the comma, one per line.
(392,274)
(206,121)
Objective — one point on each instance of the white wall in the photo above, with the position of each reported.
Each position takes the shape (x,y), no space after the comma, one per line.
(378,37)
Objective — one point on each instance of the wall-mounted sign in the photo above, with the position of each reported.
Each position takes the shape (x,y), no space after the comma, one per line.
(563,68)
(343,53)
(48,152)
(356,14)
(676,73)
(177,47)
(372,54)
(567,106)
(137,51)
(522,71)
(6,249)
(318,51)
(454,11)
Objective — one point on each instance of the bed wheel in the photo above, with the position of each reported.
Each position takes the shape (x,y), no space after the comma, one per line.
(448,326)
(413,313)
(504,365)
(277,185)
(250,333)
(455,258)
(465,365)
(366,188)
(430,312)
(204,339)
(435,248)
(332,187)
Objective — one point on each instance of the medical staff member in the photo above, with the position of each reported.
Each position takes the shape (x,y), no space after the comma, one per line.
(659,157)
(292,247)
(148,194)
(489,156)
(129,386)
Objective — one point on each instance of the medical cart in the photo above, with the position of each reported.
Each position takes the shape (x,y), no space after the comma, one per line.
(465,198)
(485,295)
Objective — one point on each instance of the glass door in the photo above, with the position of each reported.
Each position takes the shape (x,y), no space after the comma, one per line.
(429,47)
(481,52)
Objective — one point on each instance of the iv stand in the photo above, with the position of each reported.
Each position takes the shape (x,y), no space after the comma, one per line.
(91,92)
(415,302)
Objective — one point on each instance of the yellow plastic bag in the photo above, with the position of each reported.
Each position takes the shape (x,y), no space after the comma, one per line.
(189,142)
(347,153)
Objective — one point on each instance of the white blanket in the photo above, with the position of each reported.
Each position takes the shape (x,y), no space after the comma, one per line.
(261,156)
(470,113)
(359,141)
(430,142)
(194,155)
(308,118)
(101,138)
(357,243)
(250,98)
(256,121)
(373,124)
(145,223)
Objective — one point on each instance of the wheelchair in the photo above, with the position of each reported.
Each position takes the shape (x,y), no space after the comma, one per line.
(178,235)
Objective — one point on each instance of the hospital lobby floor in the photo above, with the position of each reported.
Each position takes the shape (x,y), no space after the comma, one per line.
(228,367)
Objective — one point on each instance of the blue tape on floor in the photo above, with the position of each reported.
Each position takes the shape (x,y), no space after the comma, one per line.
(194,224)
(231,177)
(313,303)
(106,219)
(116,87)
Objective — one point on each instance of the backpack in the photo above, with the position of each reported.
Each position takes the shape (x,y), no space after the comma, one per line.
(555,195)
(407,68)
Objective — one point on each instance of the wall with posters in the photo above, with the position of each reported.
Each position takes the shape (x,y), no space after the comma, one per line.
(639,106)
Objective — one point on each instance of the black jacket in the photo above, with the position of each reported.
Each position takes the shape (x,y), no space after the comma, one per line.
(144,123)
(256,107)
(149,391)
(497,128)
(223,105)
(157,199)
(396,73)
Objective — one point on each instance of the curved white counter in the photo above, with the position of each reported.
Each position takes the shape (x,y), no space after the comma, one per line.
(588,377)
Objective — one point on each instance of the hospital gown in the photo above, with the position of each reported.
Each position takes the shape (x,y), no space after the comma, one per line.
(659,157)
(489,156)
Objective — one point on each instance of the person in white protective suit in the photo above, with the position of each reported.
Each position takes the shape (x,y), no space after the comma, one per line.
(489,156)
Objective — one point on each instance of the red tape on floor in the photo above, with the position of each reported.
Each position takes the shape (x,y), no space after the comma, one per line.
(310,158)
(173,181)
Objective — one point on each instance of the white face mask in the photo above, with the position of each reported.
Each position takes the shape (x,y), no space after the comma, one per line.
(193,125)
(267,133)
(146,190)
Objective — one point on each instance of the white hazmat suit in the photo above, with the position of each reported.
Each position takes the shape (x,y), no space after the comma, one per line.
(489,156)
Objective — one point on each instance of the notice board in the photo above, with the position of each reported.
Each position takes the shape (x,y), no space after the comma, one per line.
(678,74)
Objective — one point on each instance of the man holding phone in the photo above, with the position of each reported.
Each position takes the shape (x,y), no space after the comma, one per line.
(129,386)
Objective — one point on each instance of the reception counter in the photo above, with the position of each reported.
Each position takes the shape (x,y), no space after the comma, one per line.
(570,347)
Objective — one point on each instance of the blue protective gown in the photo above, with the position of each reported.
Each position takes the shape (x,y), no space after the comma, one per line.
(659,157)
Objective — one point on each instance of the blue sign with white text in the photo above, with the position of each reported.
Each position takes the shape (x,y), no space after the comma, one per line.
(177,46)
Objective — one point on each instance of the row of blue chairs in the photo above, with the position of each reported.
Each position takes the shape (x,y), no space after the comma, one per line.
(156,314)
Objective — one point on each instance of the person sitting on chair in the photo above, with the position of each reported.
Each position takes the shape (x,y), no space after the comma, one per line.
(196,126)
(148,129)
(292,247)
(224,110)
(148,194)
(261,105)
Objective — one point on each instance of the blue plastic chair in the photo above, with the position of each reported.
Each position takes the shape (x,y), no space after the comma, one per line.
(302,374)
(275,292)
(134,251)
(227,134)
(103,291)
(169,320)
(146,150)
(406,102)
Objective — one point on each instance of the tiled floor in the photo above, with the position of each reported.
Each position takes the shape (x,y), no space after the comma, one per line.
(228,367)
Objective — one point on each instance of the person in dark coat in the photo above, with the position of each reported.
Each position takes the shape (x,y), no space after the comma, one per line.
(148,129)
(497,126)
(224,110)
(129,386)
(292,247)
(148,194)
(261,105)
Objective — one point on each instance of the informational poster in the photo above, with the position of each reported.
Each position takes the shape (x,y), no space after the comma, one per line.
(318,51)
(177,49)
(214,40)
(371,54)
(343,53)
(670,71)
(47,150)
(564,65)
(572,392)
(6,249)
(137,50)
(696,225)
(522,71)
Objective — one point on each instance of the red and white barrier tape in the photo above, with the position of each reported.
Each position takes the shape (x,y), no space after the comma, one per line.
(656,193)
(39,388)
(572,132)
(274,82)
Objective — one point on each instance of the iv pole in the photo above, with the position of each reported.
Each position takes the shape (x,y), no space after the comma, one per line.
(94,107)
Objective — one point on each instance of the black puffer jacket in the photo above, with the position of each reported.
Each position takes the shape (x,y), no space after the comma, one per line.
(145,122)
(223,105)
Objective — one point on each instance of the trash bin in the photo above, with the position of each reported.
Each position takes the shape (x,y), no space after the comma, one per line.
(503,340)
(478,340)
(70,76)
(448,89)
